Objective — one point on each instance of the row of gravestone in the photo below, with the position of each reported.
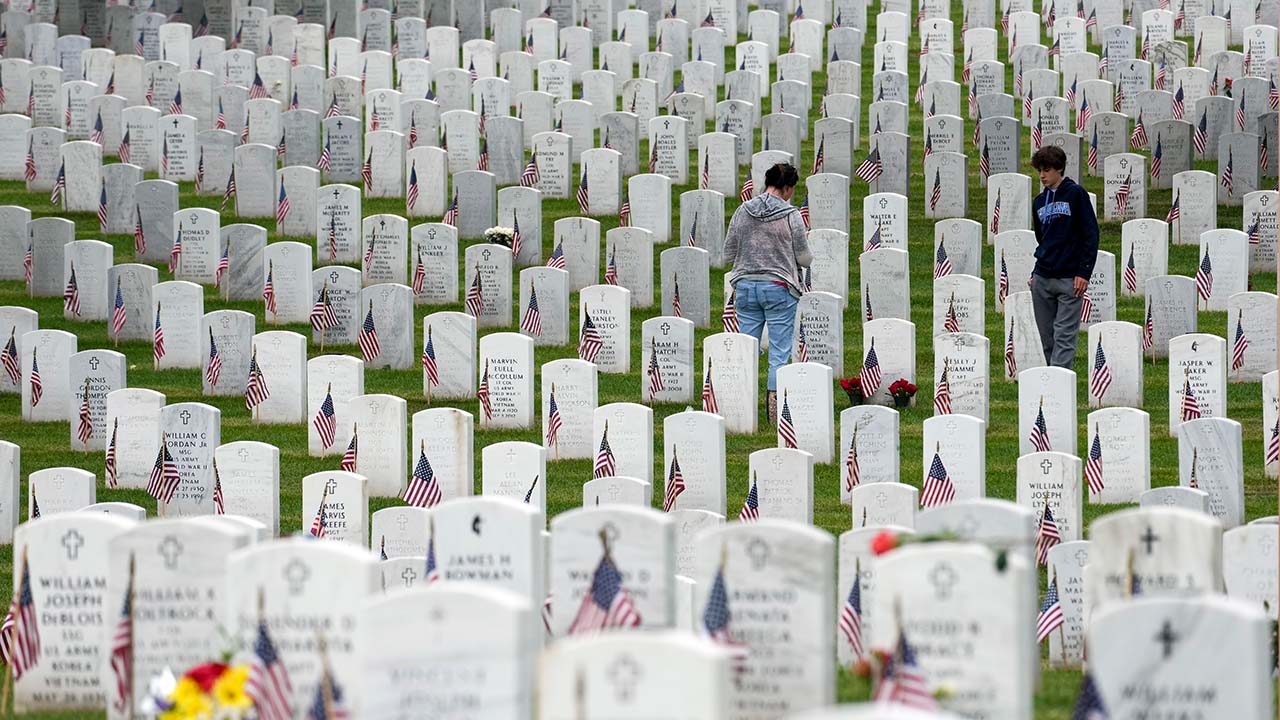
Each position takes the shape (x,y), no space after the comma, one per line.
(1211,454)
(780,579)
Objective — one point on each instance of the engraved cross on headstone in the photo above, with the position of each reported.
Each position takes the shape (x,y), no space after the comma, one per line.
(296,574)
(409,575)
(171,549)
(943,578)
(72,542)
(1149,538)
(94,362)
(1045,466)
(623,674)
(332,486)
(1167,638)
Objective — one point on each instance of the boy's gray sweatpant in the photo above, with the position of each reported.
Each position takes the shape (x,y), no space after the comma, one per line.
(1057,312)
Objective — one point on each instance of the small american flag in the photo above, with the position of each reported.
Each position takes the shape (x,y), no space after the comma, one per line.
(475,295)
(175,251)
(110,468)
(709,403)
(589,341)
(729,318)
(584,197)
(1200,137)
(366,171)
(1051,617)
(984,160)
(432,570)
(122,649)
(942,393)
(675,484)
(429,365)
(164,474)
(269,289)
(59,185)
(1122,194)
(423,490)
(30,171)
(531,320)
(320,523)
(1174,210)
(1240,344)
(1131,274)
(1047,536)
(607,603)
(9,357)
(802,344)
(1226,174)
(411,196)
(819,158)
(1039,436)
(748,189)
(1157,158)
(37,385)
(951,321)
(1092,160)
(850,622)
(750,511)
(611,269)
(419,274)
(786,428)
(554,420)
(333,237)
(367,339)
(213,370)
(1179,103)
(102,209)
(870,374)
(84,431)
(324,422)
(157,339)
(1003,289)
(1190,406)
(282,205)
(1204,276)
(20,632)
(482,393)
(871,169)
(326,157)
(175,105)
(1138,138)
(654,371)
(1240,117)
(804,213)
(1254,230)
(1086,307)
(516,239)
(230,190)
(268,683)
(219,500)
(530,177)
(675,296)
(96,134)
(716,615)
(1093,467)
(557,257)
(1273,444)
(876,240)
(1100,378)
(483,162)
(255,390)
(139,235)
(71,294)
(1037,132)
(941,263)
(902,683)
(704,180)
(322,315)
(852,469)
(451,213)
(938,488)
(605,465)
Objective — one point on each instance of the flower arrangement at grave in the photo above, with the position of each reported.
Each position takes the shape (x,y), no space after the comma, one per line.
(209,691)
(499,235)
(852,387)
(902,391)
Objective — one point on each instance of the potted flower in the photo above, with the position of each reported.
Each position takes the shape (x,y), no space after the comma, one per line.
(853,388)
(902,392)
(499,235)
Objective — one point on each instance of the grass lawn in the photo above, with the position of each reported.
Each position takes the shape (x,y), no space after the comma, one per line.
(1053,700)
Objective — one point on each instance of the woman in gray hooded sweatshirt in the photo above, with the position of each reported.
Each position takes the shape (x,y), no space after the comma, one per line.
(767,248)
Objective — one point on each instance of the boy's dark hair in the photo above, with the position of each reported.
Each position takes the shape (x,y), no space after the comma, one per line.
(1049,157)
(781,176)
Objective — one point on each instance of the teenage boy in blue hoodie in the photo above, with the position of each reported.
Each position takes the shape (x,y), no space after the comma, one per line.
(1067,237)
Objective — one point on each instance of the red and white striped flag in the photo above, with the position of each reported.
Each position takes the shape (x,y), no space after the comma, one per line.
(1093,466)
(606,604)
(942,392)
(709,403)
(1047,537)
(675,484)
(786,428)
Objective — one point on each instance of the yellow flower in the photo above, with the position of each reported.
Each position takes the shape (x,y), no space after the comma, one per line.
(189,702)
(229,692)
